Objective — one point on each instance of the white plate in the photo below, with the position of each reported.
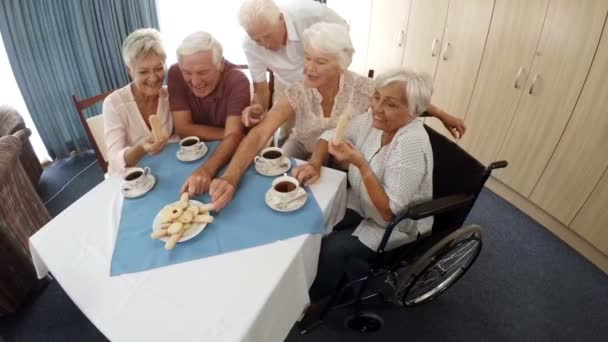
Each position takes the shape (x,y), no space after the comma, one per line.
(138,192)
(271,172)
(192,156)
(291,206)
(193,231)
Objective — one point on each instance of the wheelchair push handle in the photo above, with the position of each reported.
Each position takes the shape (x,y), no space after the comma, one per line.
(498,165)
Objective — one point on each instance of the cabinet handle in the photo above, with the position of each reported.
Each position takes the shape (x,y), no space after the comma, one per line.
(518,77)
(445,51)
(434,47)
(532,92)
(401,38)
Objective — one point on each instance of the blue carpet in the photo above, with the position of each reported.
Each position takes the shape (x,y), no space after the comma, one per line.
(526,285)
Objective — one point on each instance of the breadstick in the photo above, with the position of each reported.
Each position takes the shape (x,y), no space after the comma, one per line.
(157,234)
(157,130)
(170,244)
(341,128)
(205,218)
(205,207)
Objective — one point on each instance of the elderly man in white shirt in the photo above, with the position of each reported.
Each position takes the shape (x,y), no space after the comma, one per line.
(274,42)
(390,168)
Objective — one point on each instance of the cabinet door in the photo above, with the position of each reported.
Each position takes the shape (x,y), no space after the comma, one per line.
(568,42)
(512,40)
(591,222)
(425,34)
(357,15)
(464,39)
(387,34)
(582,153)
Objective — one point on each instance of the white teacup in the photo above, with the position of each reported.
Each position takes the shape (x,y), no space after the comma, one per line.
(285,189)
(271,157)
(191,144)
(136,177)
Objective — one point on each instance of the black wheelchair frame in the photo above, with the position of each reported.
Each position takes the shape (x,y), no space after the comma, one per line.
(458,178)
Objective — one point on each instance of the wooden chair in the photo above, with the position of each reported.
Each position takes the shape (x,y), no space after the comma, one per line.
(94,126)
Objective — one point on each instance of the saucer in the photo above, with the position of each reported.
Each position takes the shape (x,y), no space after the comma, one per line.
(138,192)
(273,171)
(274,204)
(191,156)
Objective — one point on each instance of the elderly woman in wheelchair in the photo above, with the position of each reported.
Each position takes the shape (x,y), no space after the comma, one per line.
(406,181)
(390,167)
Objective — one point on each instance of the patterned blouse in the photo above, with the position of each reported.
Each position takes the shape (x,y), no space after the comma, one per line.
(404,167)
(354,96)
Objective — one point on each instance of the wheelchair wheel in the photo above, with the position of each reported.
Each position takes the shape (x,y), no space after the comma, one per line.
(440,267)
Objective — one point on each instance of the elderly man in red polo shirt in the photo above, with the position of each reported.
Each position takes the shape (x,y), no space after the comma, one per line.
(207,95)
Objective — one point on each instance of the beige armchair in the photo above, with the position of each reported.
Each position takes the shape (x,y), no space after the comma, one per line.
(10,123)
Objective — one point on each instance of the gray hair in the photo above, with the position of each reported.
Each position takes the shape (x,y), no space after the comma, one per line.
(418,88)
(201,41)
(142,43)
(332,39)
(258,10)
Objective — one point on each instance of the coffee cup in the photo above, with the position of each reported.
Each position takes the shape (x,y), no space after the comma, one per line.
(191,144)
(271,157)
(285,188)
(136,177)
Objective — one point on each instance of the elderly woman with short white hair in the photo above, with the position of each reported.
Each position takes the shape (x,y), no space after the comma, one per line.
(127,129)
(390,168)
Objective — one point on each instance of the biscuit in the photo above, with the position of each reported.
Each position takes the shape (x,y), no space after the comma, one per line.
(175,228)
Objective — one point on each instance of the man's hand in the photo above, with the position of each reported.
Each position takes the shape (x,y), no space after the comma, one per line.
(252,115)
(154,147)
(221,192)
(307,174)
(455,125)
(198,182)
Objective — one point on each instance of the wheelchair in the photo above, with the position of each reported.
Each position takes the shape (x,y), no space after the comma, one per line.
(423,269)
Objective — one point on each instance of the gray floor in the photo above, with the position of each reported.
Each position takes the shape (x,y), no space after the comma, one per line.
(526,286)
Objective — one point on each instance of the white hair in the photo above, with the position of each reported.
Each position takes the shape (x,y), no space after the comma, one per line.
(330,38)
(201,41)
(417,87)
(142,43)
(253,11)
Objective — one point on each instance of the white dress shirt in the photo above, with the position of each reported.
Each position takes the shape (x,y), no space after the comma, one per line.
(287,64)
(404,167)
(125,127)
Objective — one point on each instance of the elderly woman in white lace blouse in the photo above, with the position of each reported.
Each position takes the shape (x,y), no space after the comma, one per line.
(127,110)
(390,167)
(328,91)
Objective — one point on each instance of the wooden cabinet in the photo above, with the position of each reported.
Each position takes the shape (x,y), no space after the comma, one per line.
(463,43)
(591,222)
(387,32)
(581,157)
(425,35)
(508,55)
(566,48)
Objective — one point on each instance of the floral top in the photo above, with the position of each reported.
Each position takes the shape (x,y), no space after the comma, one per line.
(354,97)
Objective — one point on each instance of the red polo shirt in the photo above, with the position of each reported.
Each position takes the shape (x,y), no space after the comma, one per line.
(230,97)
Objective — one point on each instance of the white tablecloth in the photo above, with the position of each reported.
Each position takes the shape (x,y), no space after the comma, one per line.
(254,294)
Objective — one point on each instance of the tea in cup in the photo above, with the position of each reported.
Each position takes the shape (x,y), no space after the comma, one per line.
(271,157)
(285,189)
(191,144)
(136,177)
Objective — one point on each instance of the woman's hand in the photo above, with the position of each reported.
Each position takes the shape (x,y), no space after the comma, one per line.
(154,147)
(455,125)
(346,152)
(308,173)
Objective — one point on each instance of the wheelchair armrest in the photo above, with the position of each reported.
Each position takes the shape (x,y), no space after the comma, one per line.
(426,209)
(439,206)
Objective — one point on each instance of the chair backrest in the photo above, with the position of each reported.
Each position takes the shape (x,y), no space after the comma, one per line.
(454,172)
(93,124)
(97,131)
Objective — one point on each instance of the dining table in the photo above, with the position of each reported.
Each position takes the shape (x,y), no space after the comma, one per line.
(254,292)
